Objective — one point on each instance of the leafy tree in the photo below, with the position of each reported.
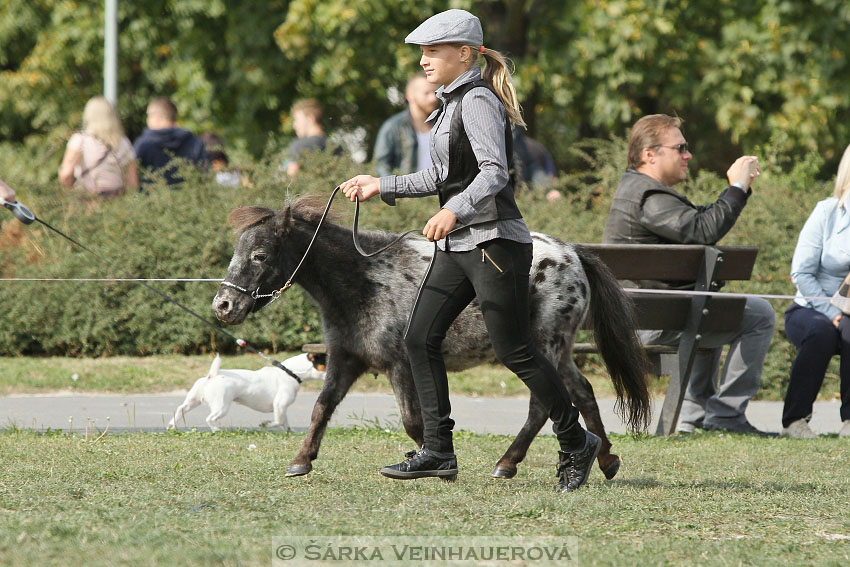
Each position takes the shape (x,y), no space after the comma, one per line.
(743,73)
(216,59)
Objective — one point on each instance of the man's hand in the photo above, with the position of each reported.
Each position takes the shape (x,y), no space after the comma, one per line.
(439,225)
(363,187)
(744,171)
(7,193)
(836,320)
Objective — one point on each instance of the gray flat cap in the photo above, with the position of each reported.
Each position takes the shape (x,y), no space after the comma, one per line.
(451,26)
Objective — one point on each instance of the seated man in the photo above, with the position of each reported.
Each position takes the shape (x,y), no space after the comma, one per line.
(646,210)
(403,145)
(162,140)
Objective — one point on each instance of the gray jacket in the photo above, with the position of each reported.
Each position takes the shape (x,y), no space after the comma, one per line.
(645,211)
(396,146)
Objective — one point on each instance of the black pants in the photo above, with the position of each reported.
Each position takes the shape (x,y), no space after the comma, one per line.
(817,340)
(499,280)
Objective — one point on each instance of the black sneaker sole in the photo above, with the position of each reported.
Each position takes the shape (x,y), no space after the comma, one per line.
(447,474)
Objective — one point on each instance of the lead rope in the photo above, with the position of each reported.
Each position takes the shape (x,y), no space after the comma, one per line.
(354,235)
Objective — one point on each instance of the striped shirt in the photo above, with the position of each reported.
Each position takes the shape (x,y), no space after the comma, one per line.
(484,118)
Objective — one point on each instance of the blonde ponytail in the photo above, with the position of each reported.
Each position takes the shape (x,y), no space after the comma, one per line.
(496,73)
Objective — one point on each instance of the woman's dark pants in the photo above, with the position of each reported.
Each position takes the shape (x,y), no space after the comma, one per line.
(453,281)
(817,341)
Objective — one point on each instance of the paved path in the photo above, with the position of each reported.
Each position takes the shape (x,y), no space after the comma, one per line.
(139,412)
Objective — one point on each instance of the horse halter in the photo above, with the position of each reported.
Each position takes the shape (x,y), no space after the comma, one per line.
(256,293)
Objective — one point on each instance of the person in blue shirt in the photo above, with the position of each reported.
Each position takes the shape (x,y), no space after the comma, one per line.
(813,324)
(162,141)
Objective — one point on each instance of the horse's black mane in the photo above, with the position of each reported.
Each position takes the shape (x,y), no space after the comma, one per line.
(307,207)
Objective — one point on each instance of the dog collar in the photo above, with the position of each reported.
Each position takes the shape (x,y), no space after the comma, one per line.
(287,370)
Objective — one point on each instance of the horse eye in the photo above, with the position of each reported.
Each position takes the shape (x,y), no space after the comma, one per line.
(259,257)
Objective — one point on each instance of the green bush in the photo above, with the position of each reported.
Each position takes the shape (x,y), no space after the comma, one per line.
(183,233)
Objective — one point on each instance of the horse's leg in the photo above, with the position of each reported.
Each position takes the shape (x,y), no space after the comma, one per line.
(582,394)
(342,371)
(537,416)
(401,379)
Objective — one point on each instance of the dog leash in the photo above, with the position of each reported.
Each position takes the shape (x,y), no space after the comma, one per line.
(26,216)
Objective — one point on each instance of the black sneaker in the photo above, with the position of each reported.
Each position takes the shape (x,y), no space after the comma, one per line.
(743,428)
(423,463)
(574,467)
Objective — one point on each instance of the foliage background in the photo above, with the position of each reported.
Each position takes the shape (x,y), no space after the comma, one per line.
(743,73)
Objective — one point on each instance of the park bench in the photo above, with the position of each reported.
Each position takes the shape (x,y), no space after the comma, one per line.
(692,315)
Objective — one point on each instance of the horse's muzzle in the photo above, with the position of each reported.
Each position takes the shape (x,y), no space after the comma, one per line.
(231,307)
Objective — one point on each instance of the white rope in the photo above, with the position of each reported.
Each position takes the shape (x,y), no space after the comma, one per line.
(628,289)
(690,292)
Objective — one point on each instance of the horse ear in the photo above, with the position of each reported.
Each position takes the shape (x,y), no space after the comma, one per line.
(283,221)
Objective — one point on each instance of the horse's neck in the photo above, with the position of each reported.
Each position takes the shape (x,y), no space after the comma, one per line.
(329,265)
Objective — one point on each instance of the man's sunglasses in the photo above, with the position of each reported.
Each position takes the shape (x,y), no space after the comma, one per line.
(682,148)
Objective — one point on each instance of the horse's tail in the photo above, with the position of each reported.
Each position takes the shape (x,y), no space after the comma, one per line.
(614,324)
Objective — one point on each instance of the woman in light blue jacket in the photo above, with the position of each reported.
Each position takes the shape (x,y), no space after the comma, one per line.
(817,328)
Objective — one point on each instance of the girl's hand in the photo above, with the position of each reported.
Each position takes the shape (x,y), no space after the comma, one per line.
(439,225)
(363,187)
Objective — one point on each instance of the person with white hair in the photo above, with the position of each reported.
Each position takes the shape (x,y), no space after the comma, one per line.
(100,159)
(818,327)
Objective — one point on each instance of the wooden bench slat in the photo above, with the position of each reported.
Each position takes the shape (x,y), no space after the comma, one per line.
(670,312)
(672,263)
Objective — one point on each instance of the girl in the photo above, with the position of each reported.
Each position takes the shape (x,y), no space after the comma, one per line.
(483,247)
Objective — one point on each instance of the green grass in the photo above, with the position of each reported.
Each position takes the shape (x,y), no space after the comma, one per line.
(201,499)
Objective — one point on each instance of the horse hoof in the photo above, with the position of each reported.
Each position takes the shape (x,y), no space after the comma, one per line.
(612,469)
(299,470)
(503,472)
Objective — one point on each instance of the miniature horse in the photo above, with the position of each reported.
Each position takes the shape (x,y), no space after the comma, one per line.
(365,303)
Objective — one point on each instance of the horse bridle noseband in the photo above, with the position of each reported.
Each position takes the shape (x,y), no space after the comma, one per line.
(255,295)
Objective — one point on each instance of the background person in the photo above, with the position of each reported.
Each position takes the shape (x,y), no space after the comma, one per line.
(100,158)
(224,174)
(817,328)
(646,210)
(402,145)
(487,258)
(307,123)
(162,141)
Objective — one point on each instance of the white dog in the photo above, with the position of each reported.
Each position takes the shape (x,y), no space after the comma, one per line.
(269,389)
